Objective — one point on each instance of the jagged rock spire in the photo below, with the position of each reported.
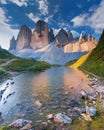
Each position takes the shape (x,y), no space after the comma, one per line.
(12,44)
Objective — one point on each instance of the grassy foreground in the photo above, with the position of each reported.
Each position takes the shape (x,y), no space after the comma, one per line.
(21,65)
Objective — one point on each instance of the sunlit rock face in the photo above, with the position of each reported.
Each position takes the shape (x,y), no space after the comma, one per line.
(83,44)
(40,35)
(80,47)
(24,38)
(12,44)
(61,38)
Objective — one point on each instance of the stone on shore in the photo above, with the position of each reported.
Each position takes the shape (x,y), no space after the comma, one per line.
(86,117)
(83,94)
(20,123)
(62,118)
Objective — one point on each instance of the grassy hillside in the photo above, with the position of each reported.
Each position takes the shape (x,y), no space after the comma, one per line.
(26,65)
(93,61)
(4,54)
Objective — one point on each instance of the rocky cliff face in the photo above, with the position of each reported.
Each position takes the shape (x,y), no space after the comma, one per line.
(61,38)
(51,36)
(24,38)
(70,36)
(12,44)
(40,35)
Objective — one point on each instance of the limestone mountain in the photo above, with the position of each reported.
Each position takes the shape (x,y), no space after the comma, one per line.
(83,44)
(12,44)
(40,35)
(61,38)
(24,38)
(51,36)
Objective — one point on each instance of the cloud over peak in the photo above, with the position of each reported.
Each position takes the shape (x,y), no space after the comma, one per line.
(43,6)
(94,20)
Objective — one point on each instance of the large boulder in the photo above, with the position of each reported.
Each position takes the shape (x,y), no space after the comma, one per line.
(24,38)
(40,35)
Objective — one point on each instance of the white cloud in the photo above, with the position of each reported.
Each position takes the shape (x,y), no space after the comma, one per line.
(75,33)
(43,6)
(95,21)
(5,30)
(17,2)
(80,20)
(3,2)
(33,17)
(63,24)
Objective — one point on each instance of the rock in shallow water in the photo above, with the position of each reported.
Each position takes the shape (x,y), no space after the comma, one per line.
(74,103)
(83,94)
(62,118)
(20,123)
(38,104)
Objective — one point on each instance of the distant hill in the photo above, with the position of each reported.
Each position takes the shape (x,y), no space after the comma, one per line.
(94,60)
(4,54)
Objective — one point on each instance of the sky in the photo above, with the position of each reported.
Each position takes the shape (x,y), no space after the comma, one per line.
(79,16)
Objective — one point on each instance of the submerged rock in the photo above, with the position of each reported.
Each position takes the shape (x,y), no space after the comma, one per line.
(62,118)
(73,103)
(73,113)
(38,104)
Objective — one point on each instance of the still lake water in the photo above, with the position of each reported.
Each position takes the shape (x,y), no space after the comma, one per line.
(49,86)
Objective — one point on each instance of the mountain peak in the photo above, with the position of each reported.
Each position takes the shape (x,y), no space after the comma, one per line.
(24,37)
(40,35)
(12,44)
(61,38)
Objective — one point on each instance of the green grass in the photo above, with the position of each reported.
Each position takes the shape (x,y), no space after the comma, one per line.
(7,128)
(21,65)
(95,61)
(3,75)
(4,54)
